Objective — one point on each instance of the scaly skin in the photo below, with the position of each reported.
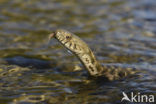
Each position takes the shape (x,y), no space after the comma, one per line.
(87,58)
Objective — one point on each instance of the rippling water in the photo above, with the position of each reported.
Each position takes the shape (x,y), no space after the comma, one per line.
(120,32)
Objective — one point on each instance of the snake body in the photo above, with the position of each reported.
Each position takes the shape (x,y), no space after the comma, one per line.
(87,58)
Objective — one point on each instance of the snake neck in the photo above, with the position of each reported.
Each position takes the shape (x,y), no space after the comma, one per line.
(90,62)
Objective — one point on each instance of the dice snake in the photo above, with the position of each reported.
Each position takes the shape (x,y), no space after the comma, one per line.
(80,49)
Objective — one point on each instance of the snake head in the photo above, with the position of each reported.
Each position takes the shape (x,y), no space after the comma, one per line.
(70,41)
(61,35)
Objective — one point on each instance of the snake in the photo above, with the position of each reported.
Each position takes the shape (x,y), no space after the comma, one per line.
(80,49)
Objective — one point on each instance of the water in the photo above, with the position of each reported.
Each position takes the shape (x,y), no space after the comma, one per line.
(120,32)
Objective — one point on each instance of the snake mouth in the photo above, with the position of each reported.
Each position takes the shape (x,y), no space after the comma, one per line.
(52,35)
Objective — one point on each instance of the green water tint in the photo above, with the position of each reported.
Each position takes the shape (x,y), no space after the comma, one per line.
(119,32)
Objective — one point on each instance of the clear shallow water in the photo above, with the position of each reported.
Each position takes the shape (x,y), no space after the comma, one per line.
(119,32)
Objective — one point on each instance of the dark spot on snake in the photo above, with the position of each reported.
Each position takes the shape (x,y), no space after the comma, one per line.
(75,46)
(87,60)
(90,67)
(70,44)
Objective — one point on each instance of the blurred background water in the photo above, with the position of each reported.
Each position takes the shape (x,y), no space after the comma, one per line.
(120,32)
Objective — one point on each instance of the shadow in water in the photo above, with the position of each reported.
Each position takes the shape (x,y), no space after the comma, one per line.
(29,62)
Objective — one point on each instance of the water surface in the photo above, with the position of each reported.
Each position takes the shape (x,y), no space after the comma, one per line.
(120,32)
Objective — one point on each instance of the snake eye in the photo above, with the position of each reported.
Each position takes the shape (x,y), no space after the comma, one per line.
(68,37)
